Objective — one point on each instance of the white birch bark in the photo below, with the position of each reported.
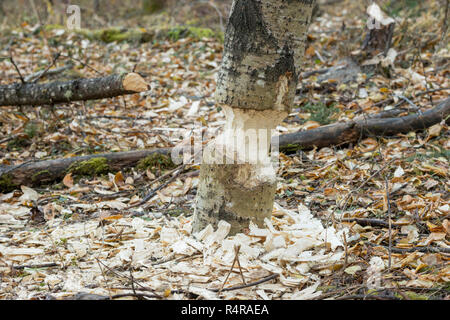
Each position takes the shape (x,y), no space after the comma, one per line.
(264,46)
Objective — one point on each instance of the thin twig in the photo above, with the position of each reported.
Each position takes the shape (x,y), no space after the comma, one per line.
(236,249)
(412,104)
(364,183)
(366,297)
(36,266)
(369,222)
(236,258)
(427,249)
(136,295)
(153,192)
(104,276)
(124,276)
(268,278)
(17,69)
(82,63)
(248,285)
(346,252)
(38,75)
(390,222)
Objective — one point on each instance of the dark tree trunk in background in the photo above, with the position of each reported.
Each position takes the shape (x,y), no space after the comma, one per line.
(152,6)
(2,11)
(96,6)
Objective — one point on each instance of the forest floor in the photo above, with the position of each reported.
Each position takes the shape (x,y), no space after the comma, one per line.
(361,221)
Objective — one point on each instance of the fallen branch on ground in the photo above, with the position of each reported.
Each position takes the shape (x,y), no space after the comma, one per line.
(47,72)
(35,94)
(426,249)
(352,131)
(39,172)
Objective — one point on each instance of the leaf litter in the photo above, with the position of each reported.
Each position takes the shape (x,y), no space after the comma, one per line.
(324,240)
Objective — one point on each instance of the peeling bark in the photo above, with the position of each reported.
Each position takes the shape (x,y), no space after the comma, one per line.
(19,94)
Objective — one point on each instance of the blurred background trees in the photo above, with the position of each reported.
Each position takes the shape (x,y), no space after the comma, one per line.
(126,13)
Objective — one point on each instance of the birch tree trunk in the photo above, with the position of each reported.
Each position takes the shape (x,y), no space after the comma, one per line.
(264,46)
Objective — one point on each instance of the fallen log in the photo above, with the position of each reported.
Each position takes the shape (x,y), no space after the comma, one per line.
(35,94)
(47,171)
(351,131)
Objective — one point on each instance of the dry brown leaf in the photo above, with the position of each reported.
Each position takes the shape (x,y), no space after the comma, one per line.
(68,180)
(119,179)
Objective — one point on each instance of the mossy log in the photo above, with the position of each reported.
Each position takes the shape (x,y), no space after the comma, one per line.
(351,131)
(36,94)
(143,35)
(48,171)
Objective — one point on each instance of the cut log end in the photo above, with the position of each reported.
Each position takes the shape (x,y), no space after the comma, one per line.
(134,82)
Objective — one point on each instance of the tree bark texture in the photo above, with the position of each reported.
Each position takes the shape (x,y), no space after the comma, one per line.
(263,50)
(36,94)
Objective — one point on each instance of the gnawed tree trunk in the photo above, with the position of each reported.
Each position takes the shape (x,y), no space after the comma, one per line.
(264,46)
(19,94)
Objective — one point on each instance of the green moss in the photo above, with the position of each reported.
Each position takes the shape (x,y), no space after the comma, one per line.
(413,296)
(38,176)
(290,148)
(142,35)
(397,7)
(109,35)
(32,128)
(321,113)
(92,167)
(433,155)
(6,183)
(180,32)
(18,144)
(156,161)
(68,94)
(49,27)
